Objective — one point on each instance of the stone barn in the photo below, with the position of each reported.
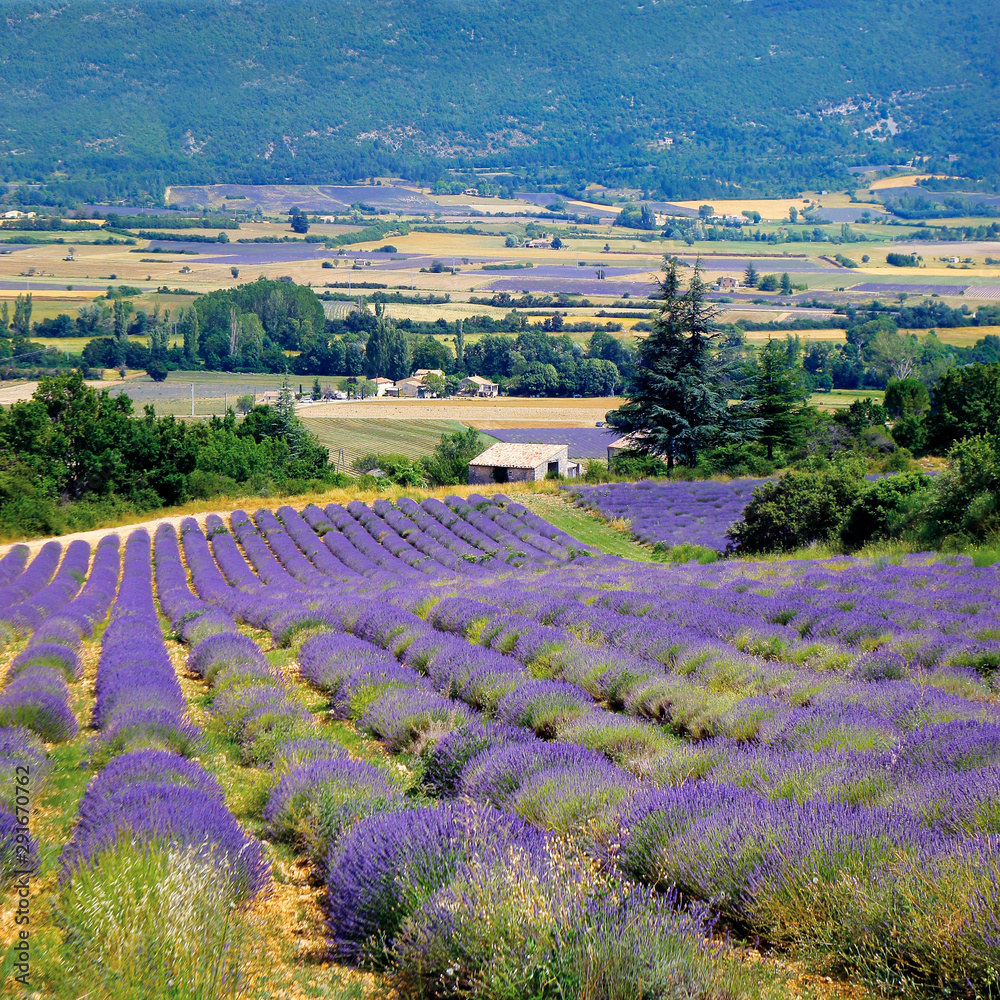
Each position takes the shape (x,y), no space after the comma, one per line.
(519,463)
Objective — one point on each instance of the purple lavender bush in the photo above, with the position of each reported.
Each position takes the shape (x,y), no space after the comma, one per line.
(317,802)
(388,866)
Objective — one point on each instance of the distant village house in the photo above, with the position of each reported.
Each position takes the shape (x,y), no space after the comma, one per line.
(385,387)
(476,385)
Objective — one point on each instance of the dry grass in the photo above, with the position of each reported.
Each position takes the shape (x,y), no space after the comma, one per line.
(907,180)
(775,209)
(840,399)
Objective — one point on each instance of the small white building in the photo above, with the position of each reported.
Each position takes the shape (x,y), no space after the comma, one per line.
(385,387)
(520,463)
(476,385)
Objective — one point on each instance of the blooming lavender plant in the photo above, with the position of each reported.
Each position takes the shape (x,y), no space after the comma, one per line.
(318,801)
(390,865)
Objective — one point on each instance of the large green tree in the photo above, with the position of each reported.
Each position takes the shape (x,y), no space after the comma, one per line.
(678,403)
(775,394)
(965,402)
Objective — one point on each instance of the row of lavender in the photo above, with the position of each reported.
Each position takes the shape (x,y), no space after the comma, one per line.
(676,513)
(34,705)
(874,762)
(153,828)
(394,868)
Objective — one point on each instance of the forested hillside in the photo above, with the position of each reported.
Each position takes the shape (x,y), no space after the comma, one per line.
(681,97)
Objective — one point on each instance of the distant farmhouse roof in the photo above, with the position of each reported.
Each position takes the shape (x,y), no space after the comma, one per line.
(627,443)
(519,456)
(478,379)
(383,381)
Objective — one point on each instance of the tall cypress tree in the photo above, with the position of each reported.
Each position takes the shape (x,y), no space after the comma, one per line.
(189,327)
(459,344)
(677,405)
(387,351)
(121,331)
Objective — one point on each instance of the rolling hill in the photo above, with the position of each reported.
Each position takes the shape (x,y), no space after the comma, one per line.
(681,98)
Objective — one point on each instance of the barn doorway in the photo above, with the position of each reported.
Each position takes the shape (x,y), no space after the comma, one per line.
(500,474)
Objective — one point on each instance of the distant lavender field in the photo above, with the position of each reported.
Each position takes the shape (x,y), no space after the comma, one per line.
(591,286)
(584,442)
(898,286)
(765,265)
(325,198)
(246,253)
(677,513)
(576,273)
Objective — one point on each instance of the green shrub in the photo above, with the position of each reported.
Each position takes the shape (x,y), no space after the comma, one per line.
(396,468)
(633,465)
(965,505)
(795,511)
(203,485)
(885,509)
(742,459)
(597,472)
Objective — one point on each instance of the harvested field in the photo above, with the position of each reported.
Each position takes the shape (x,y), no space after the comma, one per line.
(507,409)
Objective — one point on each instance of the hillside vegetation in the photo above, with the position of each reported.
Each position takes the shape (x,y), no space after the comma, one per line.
(767,95)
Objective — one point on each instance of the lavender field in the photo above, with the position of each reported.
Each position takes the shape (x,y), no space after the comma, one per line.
(506,758)
(675,513)
(584,442)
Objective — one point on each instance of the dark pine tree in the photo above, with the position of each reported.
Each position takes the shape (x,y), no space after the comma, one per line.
(676,406)
(775,400)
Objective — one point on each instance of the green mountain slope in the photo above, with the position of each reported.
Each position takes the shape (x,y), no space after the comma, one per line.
(678,94)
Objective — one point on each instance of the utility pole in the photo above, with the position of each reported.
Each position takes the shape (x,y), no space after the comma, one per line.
(192,399)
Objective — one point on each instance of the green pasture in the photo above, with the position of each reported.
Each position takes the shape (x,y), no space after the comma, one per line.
(364,436)
(840,399)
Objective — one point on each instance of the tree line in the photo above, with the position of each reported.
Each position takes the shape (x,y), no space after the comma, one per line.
(71,457)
